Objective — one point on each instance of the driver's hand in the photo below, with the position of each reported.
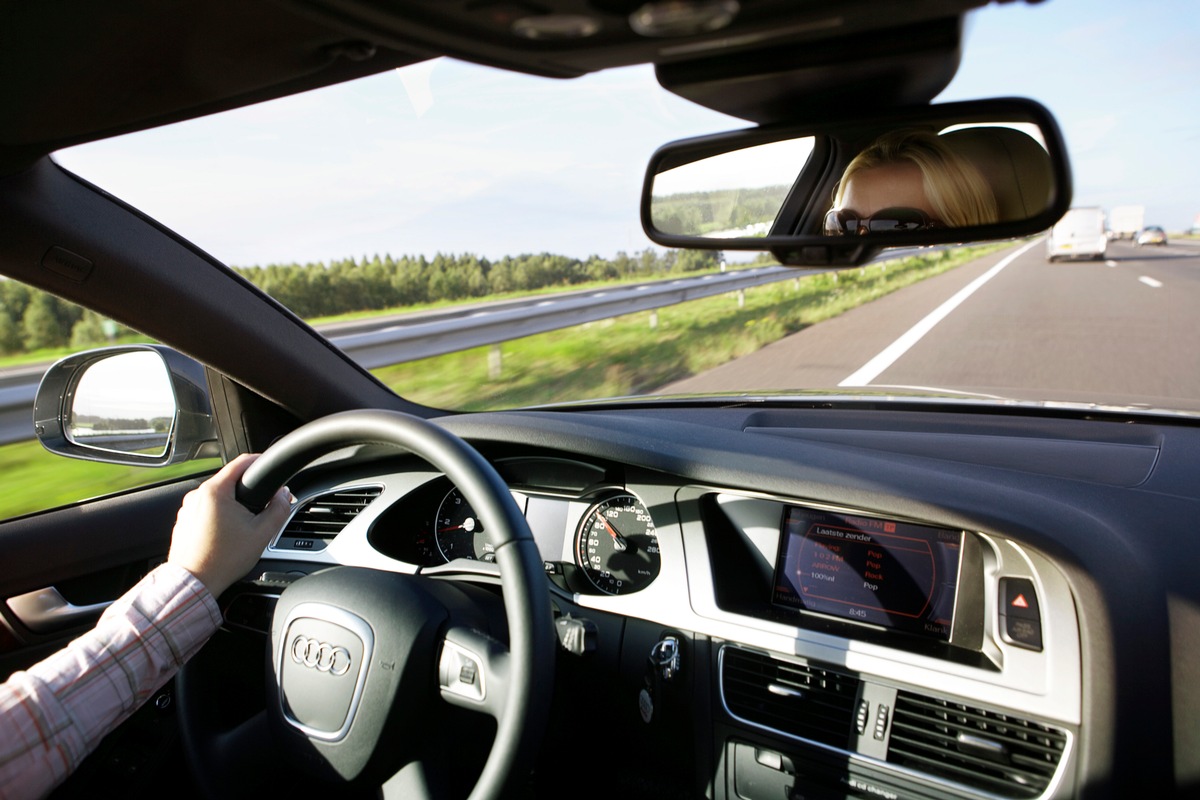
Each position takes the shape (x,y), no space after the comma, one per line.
(216,538)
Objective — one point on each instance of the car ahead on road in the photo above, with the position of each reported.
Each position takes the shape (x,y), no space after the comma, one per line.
(1078,235)
(1151,234)
(952,557)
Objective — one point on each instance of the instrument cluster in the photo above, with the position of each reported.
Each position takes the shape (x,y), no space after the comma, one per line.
(601,541)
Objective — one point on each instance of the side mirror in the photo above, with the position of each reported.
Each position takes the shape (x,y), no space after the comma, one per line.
(987,169)
(140,405)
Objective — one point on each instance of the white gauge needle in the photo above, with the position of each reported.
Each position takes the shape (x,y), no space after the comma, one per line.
(618,540)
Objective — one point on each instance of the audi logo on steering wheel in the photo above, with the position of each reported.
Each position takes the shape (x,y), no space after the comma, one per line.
(321,656)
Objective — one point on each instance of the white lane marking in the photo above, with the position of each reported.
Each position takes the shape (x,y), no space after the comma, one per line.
(1153,284)
(870,371)
(1110,263)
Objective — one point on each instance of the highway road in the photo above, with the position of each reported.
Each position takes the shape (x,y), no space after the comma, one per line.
(1122,331)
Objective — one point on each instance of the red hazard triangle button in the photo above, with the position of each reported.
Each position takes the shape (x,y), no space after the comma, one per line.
(1019,599)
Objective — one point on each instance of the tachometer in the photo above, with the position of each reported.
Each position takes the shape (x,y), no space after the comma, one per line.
(616,545)
(459,532)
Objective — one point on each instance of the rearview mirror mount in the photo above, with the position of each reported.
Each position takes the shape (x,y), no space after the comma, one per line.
(986,169)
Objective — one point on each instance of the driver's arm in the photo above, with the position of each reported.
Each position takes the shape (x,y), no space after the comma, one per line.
(55,713)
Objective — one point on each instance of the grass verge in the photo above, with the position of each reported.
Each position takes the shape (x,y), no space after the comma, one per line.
(35,479)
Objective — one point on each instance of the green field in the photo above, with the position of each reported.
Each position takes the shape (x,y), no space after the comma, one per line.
(616,357)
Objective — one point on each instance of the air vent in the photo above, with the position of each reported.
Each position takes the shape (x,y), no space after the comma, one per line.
(1000,753)
(323,517)
(796,699)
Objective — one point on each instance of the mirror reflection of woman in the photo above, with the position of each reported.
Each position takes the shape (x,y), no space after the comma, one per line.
(909,180)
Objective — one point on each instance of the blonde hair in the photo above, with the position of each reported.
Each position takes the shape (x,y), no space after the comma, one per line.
(957,190)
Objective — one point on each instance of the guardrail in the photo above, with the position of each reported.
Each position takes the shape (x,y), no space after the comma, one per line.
(398,344)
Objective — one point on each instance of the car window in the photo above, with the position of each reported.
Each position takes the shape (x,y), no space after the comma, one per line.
(424,196)
(36,329)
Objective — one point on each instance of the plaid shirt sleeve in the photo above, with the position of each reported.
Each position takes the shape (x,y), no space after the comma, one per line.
(54,714)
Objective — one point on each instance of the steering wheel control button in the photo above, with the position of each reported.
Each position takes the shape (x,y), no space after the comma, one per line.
(321,669)
(459,672)
(1020,614)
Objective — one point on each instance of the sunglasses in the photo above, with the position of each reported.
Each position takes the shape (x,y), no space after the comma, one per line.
(842,222)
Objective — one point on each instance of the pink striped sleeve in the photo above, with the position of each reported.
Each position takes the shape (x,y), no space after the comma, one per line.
(54,714)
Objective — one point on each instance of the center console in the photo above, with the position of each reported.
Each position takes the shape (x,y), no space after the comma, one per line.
(875,655)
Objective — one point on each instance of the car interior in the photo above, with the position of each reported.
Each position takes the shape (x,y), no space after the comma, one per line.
(641,598)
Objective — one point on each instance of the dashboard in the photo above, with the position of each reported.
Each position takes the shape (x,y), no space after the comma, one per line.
(899,609)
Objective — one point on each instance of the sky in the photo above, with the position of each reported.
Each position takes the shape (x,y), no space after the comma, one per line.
(455,158)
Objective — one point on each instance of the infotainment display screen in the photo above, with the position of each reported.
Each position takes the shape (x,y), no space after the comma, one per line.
(896,574)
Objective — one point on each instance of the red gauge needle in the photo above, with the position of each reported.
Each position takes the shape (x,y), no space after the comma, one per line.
(467,525)
(618,540)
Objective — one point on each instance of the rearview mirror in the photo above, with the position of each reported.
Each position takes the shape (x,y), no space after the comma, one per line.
(143,405)
(837,193)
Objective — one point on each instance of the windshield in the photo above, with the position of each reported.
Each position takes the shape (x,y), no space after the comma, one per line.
(472,236)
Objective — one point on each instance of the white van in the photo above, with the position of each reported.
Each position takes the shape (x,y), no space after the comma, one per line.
(1079,234)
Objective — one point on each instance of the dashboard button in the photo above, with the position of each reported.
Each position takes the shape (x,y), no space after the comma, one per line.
(1020,613)
(1019,599)
(860,719)
(1022,632)
(881,722)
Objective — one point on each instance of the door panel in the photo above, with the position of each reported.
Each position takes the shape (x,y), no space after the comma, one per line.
(90,553)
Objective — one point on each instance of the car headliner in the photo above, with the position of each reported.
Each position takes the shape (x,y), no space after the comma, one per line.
(77,71)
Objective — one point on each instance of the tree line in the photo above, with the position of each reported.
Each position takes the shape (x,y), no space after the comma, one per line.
(698,213)
(33,320)
(381,282)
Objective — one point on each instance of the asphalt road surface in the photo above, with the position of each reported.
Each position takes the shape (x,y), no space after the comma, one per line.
(1124,331)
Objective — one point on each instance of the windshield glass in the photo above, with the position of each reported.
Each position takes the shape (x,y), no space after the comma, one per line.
(472,235)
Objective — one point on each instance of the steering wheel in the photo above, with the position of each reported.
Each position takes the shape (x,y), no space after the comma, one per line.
(360,658)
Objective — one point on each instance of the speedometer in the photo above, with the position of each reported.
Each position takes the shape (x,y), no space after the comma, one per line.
(616,545)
